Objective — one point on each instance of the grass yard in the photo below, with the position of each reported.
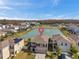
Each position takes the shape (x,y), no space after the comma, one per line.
(24,55)
(75,56)
(54,57)
(50,55)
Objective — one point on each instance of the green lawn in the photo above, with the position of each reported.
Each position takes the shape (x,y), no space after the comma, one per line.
(24,55)
(54,57)
(75,56)
(50,55)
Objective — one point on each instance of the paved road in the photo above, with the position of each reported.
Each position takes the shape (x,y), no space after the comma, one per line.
(40,56)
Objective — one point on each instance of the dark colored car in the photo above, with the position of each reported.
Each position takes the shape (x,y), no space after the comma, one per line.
(63,56)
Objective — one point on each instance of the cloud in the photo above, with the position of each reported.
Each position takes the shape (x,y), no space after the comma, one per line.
(29,3)
(70,15)
(3,5)
(2,2)
(55,2)
(15,18)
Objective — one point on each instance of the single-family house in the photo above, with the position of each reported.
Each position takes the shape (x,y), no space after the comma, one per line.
(16,45)
(39,44)
(4,49)
(62,42)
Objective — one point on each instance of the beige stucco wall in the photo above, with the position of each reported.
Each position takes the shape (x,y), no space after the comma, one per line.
(19,46)
(6,52)
(41,49)
(64,47)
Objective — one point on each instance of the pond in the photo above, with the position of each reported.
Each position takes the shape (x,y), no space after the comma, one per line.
(47,32)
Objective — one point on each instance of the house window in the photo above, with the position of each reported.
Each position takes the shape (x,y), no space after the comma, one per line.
(55,41)
(65,44)
(11,47)
(38,44)
(44,45)
(62,44)
(78,44)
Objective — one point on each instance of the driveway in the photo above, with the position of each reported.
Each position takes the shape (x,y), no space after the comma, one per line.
(40,56)
(68,57)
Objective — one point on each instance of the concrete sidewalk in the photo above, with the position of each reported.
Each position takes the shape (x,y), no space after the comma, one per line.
(40,56)
(68,57)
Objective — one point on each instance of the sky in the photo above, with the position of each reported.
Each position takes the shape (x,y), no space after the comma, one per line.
(39,9)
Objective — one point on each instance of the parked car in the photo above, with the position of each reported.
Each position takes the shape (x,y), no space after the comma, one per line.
(63,56)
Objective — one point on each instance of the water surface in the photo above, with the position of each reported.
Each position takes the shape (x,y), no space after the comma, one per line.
(47,32)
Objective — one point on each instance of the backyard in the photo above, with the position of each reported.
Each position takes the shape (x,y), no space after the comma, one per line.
(24,55)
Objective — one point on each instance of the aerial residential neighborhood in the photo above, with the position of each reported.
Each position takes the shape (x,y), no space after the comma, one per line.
(33,39)
(39,29)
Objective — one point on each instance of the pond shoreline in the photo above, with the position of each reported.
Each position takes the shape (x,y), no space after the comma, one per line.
(48,32)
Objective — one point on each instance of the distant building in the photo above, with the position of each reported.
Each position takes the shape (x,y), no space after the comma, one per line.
(73,28)
(2,33)
(24,25)
(4,50)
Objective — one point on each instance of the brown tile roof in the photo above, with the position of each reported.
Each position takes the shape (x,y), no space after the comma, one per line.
(4,44)
(59,37)
(40,39)
(74,37)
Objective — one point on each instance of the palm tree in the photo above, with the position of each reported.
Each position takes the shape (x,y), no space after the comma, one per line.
(50,46)
(29,45)
(73,51)
(58,51)
(50,54)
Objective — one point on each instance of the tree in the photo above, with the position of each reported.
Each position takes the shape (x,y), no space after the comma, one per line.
(73,51)
(50,54)
(58,51)
(50,46)
(29,46)
(1,38)
(29,39)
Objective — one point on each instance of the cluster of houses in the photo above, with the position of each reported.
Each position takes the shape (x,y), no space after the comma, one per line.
(38,44)
(42,43)
(6,29)
(74,29)
(9,48)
